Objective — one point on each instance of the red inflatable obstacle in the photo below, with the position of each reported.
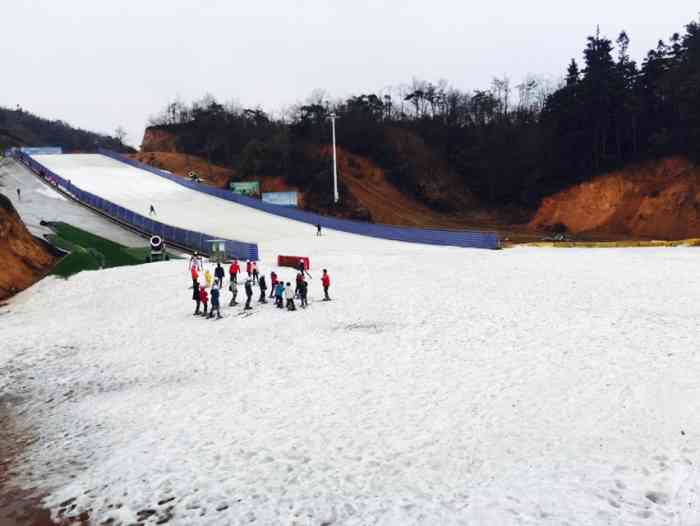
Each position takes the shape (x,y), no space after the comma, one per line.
(293,261)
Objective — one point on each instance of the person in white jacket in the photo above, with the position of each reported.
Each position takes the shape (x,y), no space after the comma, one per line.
(289,294)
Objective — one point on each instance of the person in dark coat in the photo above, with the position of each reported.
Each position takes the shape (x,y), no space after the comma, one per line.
(233,287)
(215,302)
(273,283)
(248,293)
(303,293)
(195,296)
(219,274)
(318,229)
(263,289)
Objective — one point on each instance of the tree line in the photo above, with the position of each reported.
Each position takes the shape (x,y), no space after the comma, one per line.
(509,144)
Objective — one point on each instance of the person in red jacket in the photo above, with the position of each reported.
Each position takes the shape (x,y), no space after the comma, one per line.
(195,278)
(204,298)
(326,282)
(233,271)
(249,268)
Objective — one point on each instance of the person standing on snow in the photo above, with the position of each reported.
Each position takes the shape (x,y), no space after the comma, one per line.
(303,293)
(279,294)
(297,288)
(233,287)
(233,271)
(249,268)
(273,283)
(256,275)
(289,294)
(195,294)
(215,302)
(302,268)
(204,298)
(195,278)
(248,294)
(208,280)
(219,275)
(318,229)
(263,289)
(326,282)
(152,211)
(196,261)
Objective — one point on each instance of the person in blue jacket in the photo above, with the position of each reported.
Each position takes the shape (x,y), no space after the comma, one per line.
(215,302)
(279,294)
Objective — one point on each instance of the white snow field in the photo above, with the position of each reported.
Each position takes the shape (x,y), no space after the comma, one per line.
(175,205)
(441,386)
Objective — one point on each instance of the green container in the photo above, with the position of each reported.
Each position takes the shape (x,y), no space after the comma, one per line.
(250,188)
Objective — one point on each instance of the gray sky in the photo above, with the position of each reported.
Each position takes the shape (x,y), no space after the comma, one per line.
(102,63)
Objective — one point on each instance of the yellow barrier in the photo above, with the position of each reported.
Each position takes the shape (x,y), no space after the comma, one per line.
(695,242)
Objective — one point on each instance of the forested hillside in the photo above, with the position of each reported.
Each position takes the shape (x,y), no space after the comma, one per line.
(22,128)
(509,145)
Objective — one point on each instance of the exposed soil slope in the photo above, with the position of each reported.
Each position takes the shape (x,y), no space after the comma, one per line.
(182,164)
(23,259)
(658,200)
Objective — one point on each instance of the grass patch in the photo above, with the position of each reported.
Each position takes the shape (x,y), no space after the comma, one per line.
(91,252)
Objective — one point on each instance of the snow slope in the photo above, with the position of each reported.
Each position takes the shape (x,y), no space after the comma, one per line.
(175,205)
(443,386)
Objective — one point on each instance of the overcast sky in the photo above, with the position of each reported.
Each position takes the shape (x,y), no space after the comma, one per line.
(99,64)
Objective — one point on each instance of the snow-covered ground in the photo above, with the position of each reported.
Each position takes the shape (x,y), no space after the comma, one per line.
(441,386)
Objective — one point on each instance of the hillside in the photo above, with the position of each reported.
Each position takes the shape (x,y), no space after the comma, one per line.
(658,200)
(22,128)
(23,259)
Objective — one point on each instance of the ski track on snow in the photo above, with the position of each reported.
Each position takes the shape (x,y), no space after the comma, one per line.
(443,386)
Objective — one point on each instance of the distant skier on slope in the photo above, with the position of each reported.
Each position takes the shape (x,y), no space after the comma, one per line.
(326,282)
(219,275)
(318,229)
(152,211)
(248,294)
(19,195)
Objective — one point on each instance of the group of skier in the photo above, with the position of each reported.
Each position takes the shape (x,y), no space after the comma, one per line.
(206,288)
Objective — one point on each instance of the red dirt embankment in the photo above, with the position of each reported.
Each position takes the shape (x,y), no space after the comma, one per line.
(23,259)
(659,200)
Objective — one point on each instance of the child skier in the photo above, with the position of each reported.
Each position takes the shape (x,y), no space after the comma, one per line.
(207,279)
(326,282)
(263,289)
(289,294)
(273,283)
(219,275)
(215,302)
(248,294)
(204,298)
(233,271)
(279,294)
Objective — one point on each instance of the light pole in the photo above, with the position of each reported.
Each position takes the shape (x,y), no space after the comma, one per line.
(333,117)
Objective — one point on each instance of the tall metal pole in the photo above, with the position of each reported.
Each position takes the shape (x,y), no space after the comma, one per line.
(335,163)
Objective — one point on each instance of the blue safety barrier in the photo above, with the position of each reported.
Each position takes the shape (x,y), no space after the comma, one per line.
(177,236)
(459,238)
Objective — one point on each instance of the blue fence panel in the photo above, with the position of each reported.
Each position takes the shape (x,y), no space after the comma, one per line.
(180,237)
(412,235)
